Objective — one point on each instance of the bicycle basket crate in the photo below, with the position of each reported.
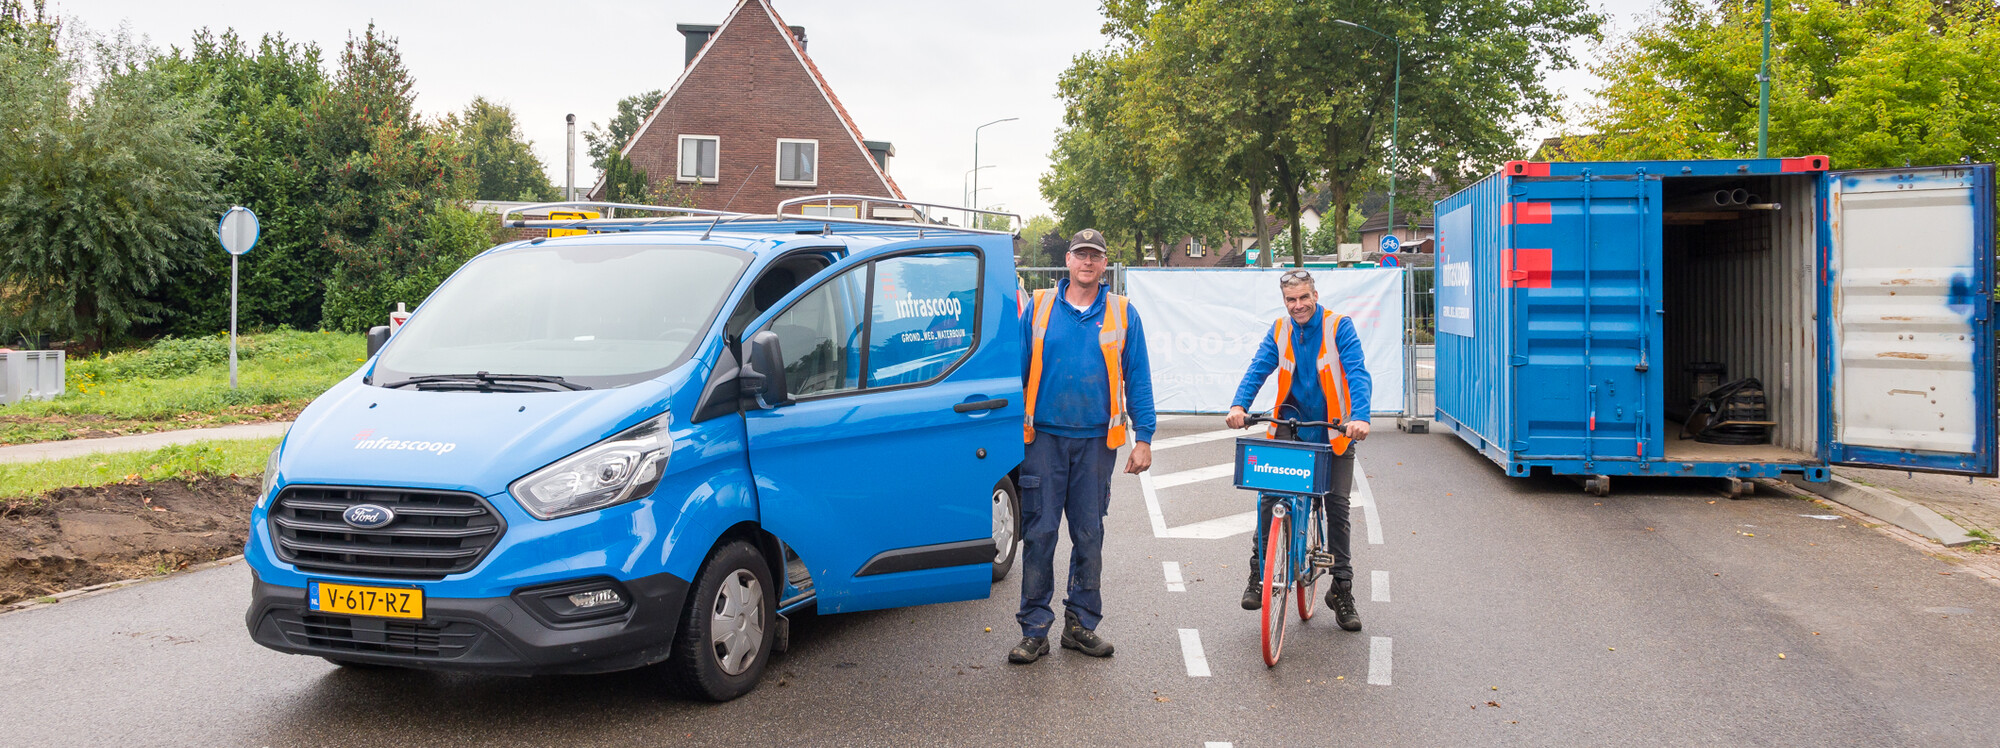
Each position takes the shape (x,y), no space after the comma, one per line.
(1282,466)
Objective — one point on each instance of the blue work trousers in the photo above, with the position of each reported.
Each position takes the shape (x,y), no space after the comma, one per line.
(1338,528)
(1062,477)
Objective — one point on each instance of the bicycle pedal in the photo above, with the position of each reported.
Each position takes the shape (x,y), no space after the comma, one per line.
(1322,560)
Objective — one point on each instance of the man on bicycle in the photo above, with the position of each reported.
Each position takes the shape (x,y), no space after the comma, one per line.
(1337,389)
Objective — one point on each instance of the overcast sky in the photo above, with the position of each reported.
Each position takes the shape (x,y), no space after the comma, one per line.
(920,74)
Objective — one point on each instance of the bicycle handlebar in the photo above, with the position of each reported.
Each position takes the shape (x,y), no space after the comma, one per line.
(1292,422)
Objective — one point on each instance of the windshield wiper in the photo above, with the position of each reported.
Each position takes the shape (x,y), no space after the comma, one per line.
(483,379)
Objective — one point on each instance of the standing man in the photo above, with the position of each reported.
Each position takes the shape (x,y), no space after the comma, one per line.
(1337,389)
(1084,367)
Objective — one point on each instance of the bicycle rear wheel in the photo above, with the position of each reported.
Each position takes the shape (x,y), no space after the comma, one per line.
(1308,578)
(1277,581)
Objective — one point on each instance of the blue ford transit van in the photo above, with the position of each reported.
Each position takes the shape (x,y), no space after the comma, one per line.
(650,443)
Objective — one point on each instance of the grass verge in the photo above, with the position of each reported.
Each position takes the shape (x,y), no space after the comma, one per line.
(24,483)
(179,383)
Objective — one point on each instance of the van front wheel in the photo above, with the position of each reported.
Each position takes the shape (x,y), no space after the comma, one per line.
(725,636)
(1006,527)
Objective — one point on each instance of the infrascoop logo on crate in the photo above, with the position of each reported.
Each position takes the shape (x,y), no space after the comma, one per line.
(1296,472)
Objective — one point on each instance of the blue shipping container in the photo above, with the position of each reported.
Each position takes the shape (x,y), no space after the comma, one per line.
(1574,298)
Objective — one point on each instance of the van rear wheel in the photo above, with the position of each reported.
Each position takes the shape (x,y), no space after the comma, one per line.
(1006,527)
(725,635)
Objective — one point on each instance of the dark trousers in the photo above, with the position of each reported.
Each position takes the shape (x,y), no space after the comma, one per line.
(1338,527)
(1063,477)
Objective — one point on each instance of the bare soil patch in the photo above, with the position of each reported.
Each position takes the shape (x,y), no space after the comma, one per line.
(76,537)
(49,428)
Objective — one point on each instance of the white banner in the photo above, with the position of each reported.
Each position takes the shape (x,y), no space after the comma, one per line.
(1204,326)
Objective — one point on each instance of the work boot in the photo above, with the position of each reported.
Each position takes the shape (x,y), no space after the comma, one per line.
(1029,650)
(1081,639)
(1253,595)
(1340,597)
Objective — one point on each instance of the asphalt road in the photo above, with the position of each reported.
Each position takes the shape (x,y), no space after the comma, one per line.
(1514,612)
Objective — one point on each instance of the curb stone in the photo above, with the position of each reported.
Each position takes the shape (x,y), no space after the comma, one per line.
(1888,507)
(45,601)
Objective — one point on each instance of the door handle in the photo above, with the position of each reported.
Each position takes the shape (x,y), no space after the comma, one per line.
(968,407)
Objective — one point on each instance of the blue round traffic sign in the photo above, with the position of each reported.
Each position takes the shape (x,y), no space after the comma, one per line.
(1390,243)
(1390,261)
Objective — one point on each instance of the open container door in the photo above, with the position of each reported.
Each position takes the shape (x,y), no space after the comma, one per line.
(1909,328)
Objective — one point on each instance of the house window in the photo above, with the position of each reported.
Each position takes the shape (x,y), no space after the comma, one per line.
(698,158)
(798,162)
(1194,248)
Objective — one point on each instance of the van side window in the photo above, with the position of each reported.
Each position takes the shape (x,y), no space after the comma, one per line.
(820,336)
(926,309)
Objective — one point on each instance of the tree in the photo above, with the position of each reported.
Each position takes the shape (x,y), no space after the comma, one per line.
(392,217)
(623,182)
(1101,176)
(503,161)
(259,120)
(103,190)
(1031,243)
(604,142)
(1869,83)
(33,30)
(1275,95)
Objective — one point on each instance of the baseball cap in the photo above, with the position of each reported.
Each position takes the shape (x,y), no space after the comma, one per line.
(1091,238)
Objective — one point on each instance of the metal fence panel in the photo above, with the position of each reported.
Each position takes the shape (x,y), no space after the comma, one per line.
(1035,279)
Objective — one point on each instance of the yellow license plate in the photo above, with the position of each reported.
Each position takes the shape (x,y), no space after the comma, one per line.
(357,600)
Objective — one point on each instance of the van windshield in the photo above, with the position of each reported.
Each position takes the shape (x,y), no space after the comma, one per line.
(593,315)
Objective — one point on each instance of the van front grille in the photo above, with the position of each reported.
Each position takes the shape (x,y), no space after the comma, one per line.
(434,533)
(377,636)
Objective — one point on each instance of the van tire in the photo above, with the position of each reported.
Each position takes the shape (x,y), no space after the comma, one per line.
(700,665)
(1006,495)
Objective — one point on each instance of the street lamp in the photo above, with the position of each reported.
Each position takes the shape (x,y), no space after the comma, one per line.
(1764,87)
(975,157)
(1395,123)
(965,193)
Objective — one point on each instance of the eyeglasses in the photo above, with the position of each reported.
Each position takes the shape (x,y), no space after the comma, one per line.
(1295,275)
(1088,255)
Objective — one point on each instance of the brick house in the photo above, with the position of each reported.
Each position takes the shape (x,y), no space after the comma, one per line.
(751,122)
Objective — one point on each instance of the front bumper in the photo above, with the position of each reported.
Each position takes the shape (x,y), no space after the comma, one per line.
(501,635)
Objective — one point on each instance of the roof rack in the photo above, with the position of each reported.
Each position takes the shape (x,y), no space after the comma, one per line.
(684,214)
(868,200)
(679,216)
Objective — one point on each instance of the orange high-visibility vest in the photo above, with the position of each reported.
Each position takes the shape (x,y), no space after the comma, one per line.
(1110,340)
(1332,377)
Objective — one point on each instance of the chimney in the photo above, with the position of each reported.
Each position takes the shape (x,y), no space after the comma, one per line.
(697,35)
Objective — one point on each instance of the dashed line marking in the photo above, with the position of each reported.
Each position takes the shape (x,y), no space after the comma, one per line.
(1378,586)
(1197,663)
(1173,572)
(1364,497)
(1378,660)
(1214,744)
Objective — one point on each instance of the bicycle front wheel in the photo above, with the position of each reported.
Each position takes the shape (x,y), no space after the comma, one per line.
(1277,581)
(1308,577)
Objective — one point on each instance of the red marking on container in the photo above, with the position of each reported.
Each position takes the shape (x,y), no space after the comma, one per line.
(1525,169)
(1526,213)
(1593,423)
(1803,163)
(1639,449)
(1527,268)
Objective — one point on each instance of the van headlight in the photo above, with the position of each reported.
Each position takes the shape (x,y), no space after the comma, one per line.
(270,476)
(613,471)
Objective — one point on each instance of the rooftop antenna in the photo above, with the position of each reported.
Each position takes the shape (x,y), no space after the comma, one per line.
(732,201)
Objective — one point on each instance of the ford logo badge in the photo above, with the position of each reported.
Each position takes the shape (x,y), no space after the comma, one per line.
(368,516)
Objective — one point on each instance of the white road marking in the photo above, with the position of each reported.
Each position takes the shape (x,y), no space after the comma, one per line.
(1364,497)
(1197,475)
(1203,437)
(1214,744)
(1173,571)
(1220,527)
(1378,586)
(1197,663)
(1378,659)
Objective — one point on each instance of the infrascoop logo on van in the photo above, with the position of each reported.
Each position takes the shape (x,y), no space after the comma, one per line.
(366,440)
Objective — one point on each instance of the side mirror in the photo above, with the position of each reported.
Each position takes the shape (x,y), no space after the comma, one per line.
(378,336)
(761,382)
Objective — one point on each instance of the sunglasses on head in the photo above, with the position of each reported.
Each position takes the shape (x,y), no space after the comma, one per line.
(1296,275)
